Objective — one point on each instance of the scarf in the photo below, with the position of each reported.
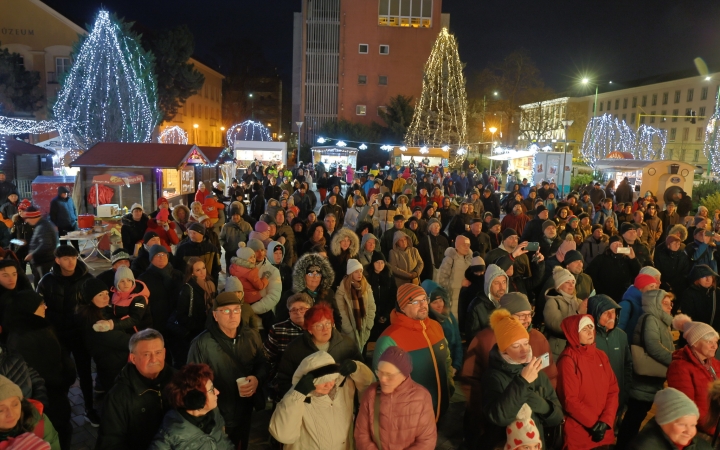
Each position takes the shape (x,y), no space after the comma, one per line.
(125,298)
(707,364)
(513,362)
(355,290)
(209,288)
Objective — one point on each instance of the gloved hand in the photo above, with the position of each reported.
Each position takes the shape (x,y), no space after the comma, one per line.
(348,367)
(305,385)
(598,431)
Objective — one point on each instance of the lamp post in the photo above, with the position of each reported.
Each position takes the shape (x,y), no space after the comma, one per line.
(195,126)
(222,136)
(566,124)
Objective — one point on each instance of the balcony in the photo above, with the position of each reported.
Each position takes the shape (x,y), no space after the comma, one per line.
(52,78)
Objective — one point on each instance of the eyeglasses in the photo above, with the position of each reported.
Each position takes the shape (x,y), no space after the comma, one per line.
(323,326)
(386,375)
(313,274)
(298,310)
(227,312)
(525,316)
(418,301)
(212,390)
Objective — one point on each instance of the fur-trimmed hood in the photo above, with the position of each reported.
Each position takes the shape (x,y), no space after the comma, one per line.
(308,260)
(179,207)
(679,228)
(341,234)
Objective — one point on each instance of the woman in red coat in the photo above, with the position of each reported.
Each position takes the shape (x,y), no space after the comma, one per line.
(694,367)
(587,387)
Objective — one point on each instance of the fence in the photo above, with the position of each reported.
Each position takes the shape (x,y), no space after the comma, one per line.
(24,188)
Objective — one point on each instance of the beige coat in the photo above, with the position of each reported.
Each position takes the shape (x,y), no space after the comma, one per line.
(558,306)
(452,273)
(404,263)
(326,423)
(344,302)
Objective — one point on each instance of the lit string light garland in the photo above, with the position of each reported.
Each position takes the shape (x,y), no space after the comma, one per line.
(711,148)
(440,117)
(173,135)
(12,126)
(645,145)
(248,131)
(604,135)
(110,93)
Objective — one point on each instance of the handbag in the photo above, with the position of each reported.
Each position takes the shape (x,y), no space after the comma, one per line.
(644,364)
(173,326)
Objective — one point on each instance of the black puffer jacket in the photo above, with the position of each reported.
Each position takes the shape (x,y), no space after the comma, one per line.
(431,248)
(134,410)
(613,273)
(191,311)
(132,231)
(674,267)
(23,283)
(109,349)
(43,242)
(13,367)
(231,359)
(164,286)
(385,295)
(61,296)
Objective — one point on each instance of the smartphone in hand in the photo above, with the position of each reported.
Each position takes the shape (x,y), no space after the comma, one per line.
(545,360)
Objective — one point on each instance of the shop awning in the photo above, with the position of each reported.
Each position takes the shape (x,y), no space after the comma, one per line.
(624,165)
(118,179)
(512,155)
(335,151)
(139,155)
(23,148)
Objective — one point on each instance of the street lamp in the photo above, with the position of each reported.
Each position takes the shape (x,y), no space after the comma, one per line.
(566,124)
(492,131)
(222,136)
(195,126)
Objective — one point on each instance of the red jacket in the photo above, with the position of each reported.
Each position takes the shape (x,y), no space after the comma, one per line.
(517,223)
(200,195)
(587,389)
(211,207)
(167,238)
(418,201)
(689,376)
(407,420)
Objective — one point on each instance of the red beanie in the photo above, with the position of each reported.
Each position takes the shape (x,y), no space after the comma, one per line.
(643,280)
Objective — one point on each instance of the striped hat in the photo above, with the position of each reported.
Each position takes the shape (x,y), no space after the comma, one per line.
(407,292)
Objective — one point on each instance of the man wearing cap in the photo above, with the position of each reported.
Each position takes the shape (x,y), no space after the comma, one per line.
(669,218)
(118,259)
(282,333)
(142,261)
(533,231)
(495,286)
(386,241)
(233,351)
(164,228)
(197,245)
(412,330)
(597,194)
(134,225)
(479,241)
(478,355)
(517,220)
(629,233)
(163,282)
(612,272)
(550,241)
(41,249)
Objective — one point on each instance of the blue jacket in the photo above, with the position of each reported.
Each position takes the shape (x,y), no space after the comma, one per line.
(62,211)
(449,322)
(461,186)
(631,311)
(603,214)
(525,190)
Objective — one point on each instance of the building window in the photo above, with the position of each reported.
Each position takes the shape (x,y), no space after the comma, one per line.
(703,93)
(615,117)
(381,109)
(608,108)
(384,49)
(701,113)
(405,13)
(62,65)
(652,119)
(624,103)
(362,79)
(691,93)
(677,97)
(697,155)
(665,98)
(688,112)
(654,100)
(601,106)
(644,101)
(673,132)
(686,134)
(642,119)
(206,113)
(663,113)
(634,102)
(360,110)
(699,134)
(363,48)
(382,80)
(682,154)
(675,113)
(624,116)
(617,103)
(192,109)
(632,118)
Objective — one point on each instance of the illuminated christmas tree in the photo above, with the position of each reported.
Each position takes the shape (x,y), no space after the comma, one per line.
(440,115)
(110,93)
(712,138)
(605,134)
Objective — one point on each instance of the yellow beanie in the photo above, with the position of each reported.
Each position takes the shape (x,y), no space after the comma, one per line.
(507,328)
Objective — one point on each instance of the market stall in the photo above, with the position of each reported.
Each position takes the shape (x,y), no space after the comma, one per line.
(334,156)
(433,156)
(267,152)
(520,161)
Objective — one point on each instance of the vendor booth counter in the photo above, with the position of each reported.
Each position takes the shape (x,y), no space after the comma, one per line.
(267,152)
(333,156)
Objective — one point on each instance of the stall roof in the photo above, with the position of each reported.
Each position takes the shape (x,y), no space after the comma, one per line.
(333,150)
(141,155)
(627,165)
(23,148)
(212,153)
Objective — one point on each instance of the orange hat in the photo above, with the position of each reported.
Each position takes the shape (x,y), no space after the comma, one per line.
(407,292)
(507,328)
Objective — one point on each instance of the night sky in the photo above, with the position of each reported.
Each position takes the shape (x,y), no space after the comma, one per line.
(611,40)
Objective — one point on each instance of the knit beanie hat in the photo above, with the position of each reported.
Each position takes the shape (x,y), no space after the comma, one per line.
(432,221)
(155,249)
(136,206)
(699,219)
(571,256)
(123,273)
(149,235)
(9,389)
(515,302)
(597,226)
(245,253)
(261,227)
(377,256)
(32,213)
(693,331)
(25,302)
(493,222)
(353,265)
(407,292)
(561,275)
(507,329)
(507,232)
(585,320)
(90,288)
(565,247)
(233,284)
(523,430)
(548,223)
(477,261)
(203,218)
(398,358)
(119,255)
(255,244)
(650,270)
(300,297)
(197,226)
(614,238)
(643,279)
(162,215)
(671,404)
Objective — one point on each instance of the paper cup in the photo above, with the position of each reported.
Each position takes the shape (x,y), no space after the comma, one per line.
(242,381)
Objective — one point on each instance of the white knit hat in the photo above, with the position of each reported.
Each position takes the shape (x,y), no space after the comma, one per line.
(585,321)
(561,275)
(650,270)
(523,430)
(353,265)
(693,331)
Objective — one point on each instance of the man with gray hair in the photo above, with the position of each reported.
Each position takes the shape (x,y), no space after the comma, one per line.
(135,407)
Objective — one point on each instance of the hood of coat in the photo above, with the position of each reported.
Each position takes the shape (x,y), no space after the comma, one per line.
(433,290)
(271,250)
(571,328)
(652,304)
(309,260)
(311,362)
(341,234)
(397,201)
(598,304)
(400,235)
(453,253)
(491,273)
(366,238)
(178,208)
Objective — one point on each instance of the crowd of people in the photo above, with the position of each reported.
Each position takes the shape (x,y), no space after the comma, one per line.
(357,312)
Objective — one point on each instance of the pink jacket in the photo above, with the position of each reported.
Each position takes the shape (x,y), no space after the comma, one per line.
(349,174)
(407,420)
(250,279)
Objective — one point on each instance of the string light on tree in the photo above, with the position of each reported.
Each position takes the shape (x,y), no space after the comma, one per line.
(12,126)
(603,136)
(110,93)
(440,116)
(173,135)
(650,143)
(248,131)
(712,138)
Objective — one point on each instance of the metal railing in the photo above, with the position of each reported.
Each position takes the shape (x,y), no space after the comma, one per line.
(24,188)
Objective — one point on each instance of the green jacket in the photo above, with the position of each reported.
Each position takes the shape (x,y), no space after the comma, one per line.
(652,437)
(658,343)
(505,391)
(614,343)
(177,433)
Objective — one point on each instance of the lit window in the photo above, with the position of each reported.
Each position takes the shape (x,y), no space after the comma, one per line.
(360,110)
(405,13)
(384,49)
(363,48)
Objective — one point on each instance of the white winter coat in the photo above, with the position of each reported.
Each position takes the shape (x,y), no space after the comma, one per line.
(452,273)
